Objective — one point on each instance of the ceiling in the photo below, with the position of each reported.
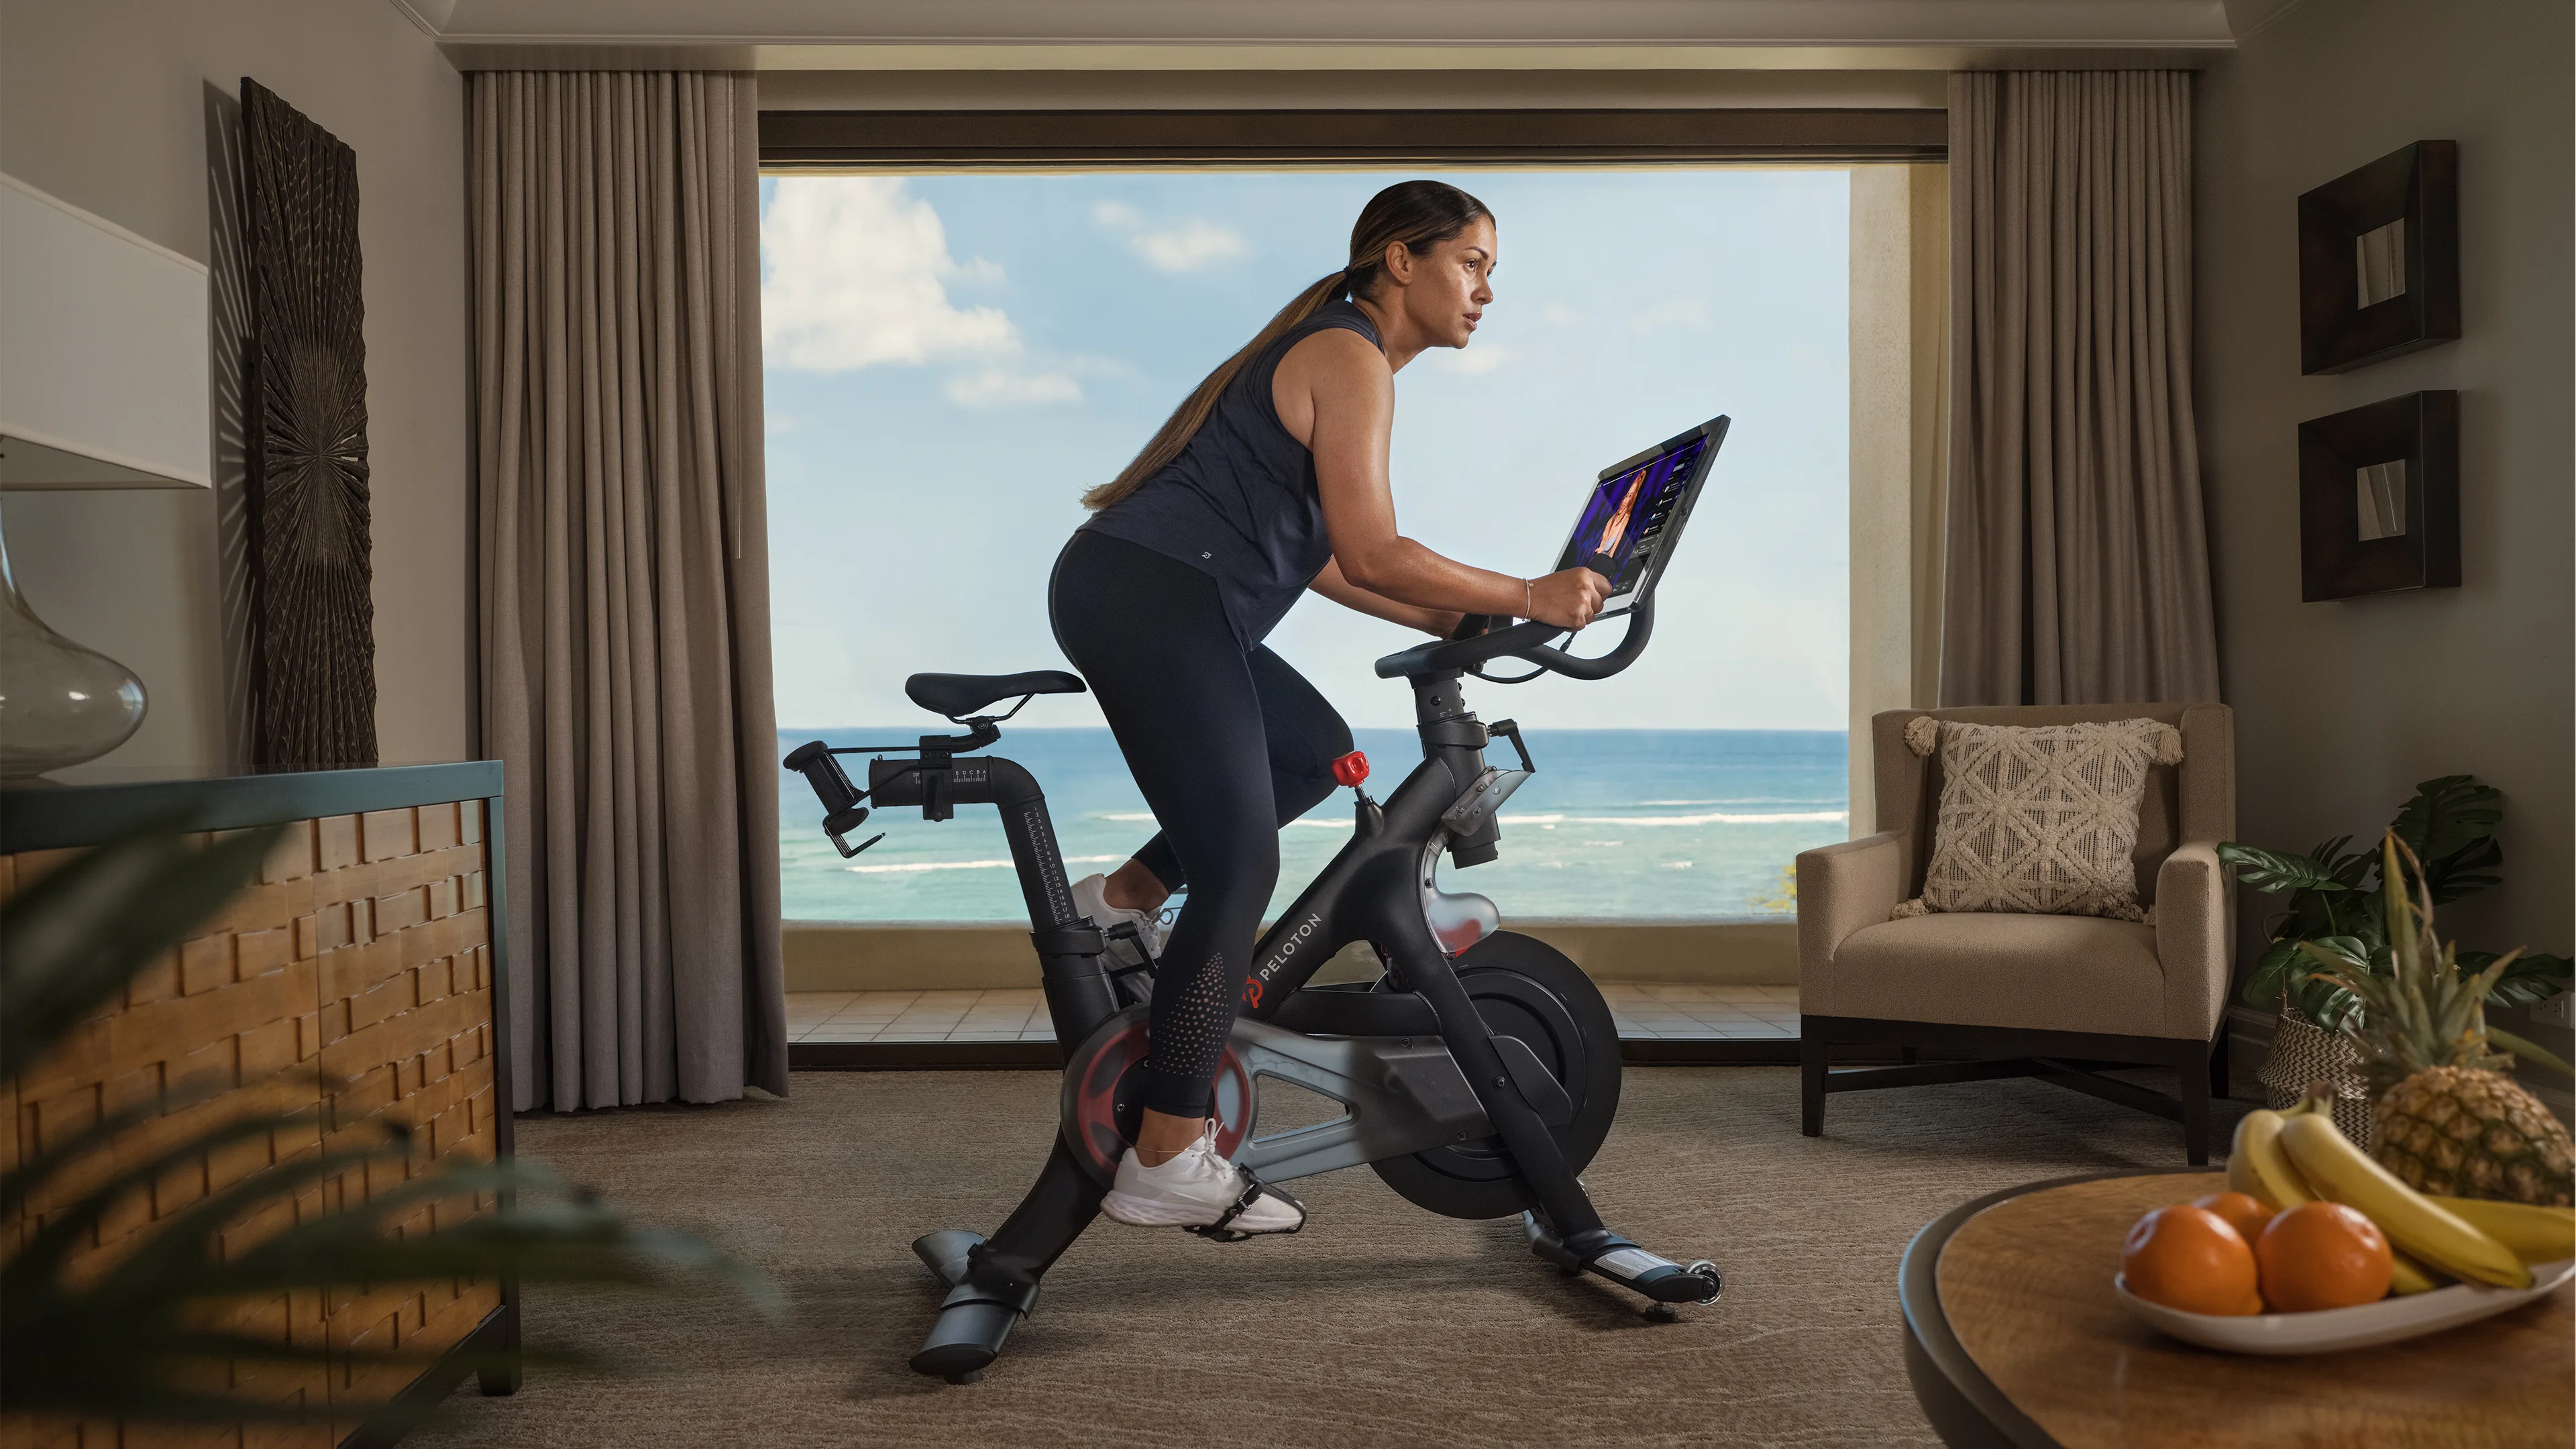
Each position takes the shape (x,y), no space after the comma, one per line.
(1339,35)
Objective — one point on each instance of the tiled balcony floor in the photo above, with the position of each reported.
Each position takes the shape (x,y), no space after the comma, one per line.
(1644,1011)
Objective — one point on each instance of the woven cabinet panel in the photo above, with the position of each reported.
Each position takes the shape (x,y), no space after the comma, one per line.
(356,978)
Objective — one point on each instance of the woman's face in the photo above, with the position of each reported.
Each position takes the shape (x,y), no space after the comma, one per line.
(1443,292)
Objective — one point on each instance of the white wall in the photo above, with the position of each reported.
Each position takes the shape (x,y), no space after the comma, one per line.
(108,104)
(2342,706)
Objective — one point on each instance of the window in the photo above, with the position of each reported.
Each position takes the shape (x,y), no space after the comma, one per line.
(953,358)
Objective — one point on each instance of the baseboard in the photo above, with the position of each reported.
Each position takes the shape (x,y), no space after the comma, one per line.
(853,956)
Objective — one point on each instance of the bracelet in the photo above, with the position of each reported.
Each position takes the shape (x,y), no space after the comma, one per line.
(1529,597)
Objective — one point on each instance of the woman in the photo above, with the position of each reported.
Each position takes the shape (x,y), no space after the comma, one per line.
(1270,479)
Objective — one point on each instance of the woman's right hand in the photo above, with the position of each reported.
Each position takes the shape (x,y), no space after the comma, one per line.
(1567,598)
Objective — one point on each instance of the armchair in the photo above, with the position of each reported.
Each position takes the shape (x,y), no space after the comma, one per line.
(2053,997)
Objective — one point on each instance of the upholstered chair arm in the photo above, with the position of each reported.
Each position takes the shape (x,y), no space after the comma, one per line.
(1842,888)
(2192,938)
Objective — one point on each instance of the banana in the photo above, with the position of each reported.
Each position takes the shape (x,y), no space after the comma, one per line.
(2405,1275)
(2535,1234)
(2257,1167)
(2434,1236)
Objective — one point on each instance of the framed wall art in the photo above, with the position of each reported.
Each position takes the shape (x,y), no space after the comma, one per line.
(2379,498)
(2379,259)
(312,616)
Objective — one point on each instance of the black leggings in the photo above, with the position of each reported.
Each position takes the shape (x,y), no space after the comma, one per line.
(1226,746)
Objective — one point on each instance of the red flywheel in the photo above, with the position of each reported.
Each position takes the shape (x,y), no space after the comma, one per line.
(1104,1088)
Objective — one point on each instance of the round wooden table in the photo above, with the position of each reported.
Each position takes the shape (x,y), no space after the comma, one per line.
(2014,1338)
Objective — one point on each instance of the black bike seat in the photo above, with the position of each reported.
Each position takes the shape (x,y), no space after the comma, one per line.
(957,694)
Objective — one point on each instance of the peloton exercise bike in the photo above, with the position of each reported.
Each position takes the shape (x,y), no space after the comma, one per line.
(1479,1073)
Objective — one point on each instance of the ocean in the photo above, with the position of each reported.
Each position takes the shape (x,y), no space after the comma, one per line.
(1615,823)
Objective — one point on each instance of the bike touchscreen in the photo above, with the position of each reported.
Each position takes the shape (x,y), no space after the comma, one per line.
(1635,513)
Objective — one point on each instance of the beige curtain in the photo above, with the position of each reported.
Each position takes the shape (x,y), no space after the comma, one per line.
(625,589)
(2078,562)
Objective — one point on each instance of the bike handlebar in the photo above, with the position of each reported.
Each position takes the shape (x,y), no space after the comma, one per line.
(1527,642)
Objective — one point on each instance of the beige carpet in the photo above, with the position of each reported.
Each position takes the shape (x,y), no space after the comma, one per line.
(1379,1324)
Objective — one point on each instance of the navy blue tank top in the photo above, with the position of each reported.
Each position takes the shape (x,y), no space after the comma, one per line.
(1240,503)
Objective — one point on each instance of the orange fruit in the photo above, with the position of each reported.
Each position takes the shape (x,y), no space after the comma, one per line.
(2322,1255)
(2187,1257)
(2243,1212)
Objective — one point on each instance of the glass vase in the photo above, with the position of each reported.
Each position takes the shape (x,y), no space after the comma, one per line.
(60,702)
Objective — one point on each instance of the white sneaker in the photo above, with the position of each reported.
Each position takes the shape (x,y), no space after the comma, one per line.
(1203,1192)
(1090,898)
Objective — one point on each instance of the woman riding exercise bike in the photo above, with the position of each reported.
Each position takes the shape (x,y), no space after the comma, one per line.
(1268,480)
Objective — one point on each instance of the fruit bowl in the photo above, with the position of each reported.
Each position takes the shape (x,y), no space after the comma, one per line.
(2332,1329)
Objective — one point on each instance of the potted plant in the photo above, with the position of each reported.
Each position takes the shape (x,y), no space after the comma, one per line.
(150,1334)
(2332,897)
(2452,1121)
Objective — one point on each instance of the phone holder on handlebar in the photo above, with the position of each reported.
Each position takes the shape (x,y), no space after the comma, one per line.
(842,810)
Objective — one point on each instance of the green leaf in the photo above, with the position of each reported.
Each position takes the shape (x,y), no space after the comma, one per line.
(2538,1056)
(23,1179)
(2279,965)
(130,1342)
(2531,979)
(2447,815)
(2450,827)
(80,932)
(67,1225)
(2273,871)
(2465,873)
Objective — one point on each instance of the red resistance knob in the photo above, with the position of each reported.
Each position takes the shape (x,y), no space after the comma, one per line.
(1350,769)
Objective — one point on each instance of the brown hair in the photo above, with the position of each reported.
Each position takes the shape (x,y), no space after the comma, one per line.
(1418,214)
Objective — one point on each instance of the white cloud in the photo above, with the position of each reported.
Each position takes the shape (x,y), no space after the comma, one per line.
(1676,312)
(1183,248)
(1007,386)
(1473,360)
(856,272)
(1189,246)
(1557,314)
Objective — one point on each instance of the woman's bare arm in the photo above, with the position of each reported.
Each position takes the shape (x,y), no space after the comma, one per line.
(1335,394)
(1440,623)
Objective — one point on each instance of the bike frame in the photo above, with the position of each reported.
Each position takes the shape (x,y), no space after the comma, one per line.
(1366,1050)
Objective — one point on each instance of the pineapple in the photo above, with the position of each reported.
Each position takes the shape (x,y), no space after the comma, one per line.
(2463,1132)
(2451,1121)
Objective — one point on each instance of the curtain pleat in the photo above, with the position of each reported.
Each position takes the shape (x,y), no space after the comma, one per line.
(2077,556)
(625,589)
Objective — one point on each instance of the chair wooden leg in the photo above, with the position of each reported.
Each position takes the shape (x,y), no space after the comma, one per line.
(2195,1106)
(1811,1085)
(2218,1069)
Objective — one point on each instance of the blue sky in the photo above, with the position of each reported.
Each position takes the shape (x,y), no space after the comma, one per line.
(952,360)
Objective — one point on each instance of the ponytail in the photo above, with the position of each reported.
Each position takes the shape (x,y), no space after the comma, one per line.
(1185,421)
(1417,215)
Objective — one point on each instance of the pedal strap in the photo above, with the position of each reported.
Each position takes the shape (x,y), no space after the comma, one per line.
(1253,1188)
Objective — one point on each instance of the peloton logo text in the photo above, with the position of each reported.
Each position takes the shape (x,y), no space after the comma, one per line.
(1279,958)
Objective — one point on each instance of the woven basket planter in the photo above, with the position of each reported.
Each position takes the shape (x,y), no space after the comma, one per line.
(2303,1052)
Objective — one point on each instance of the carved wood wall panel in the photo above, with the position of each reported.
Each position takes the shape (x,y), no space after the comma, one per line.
(312,646)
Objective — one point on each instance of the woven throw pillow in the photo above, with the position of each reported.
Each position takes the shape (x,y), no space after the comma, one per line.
(2039,820)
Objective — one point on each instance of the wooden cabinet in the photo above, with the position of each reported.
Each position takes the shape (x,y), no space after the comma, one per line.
(364,977)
